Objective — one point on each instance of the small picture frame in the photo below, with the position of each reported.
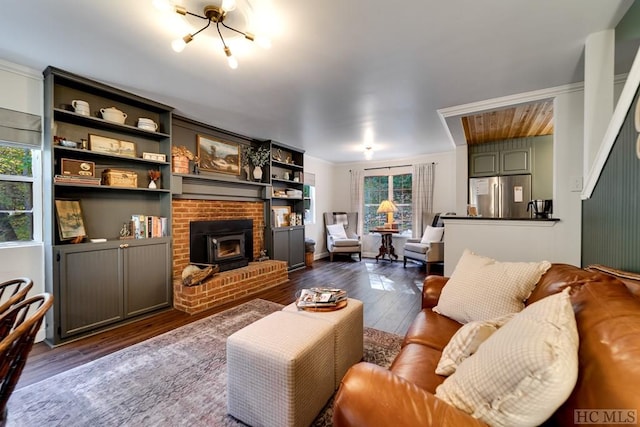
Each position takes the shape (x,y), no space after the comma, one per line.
(281,216)
(218,156)
(154,156)
(70,222)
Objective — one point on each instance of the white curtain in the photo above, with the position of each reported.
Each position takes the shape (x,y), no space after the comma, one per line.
(422,194)
(357,196)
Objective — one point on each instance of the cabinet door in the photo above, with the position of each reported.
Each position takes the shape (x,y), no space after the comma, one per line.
(515,161)
(147,277)
(90,288)
(296,247)
(484,164)
(281,244)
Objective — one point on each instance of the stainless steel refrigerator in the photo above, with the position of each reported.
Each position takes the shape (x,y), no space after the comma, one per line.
(501,196)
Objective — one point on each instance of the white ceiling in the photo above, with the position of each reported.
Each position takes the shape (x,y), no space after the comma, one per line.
(335,68)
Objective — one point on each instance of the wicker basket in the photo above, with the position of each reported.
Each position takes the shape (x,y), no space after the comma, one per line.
(119,178)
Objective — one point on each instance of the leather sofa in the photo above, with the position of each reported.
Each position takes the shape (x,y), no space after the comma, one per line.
(606,303)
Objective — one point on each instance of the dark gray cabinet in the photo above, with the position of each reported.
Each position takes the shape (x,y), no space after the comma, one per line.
(96,285)
(288,245)
(110,282)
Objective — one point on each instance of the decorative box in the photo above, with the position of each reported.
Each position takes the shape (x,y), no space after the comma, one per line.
(71,167)
(180,164)
(119,178)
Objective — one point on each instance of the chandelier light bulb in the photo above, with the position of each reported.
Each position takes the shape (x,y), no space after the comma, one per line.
(178,45)
(233,62)
(228,5)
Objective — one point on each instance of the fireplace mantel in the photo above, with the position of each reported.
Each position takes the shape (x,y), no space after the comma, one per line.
(217,187)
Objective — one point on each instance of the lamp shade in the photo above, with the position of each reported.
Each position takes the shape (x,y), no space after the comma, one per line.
(387,206)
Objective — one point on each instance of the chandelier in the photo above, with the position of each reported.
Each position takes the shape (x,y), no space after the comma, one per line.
(212,14)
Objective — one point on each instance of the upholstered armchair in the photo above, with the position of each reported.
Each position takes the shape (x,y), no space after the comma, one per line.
(429,248)
(341,235)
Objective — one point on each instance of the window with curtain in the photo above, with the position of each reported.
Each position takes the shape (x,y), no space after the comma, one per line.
(16,193)
(396,188)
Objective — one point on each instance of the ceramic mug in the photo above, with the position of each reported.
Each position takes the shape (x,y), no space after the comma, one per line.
(81,107)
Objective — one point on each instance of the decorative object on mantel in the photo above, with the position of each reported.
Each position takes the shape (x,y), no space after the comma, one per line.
(214,13)
(259,157)
(181,156)
(193,275)
(154,175)
(244,160)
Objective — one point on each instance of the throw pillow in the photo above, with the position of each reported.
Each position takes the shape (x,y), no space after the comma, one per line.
(432,234)
(337,231)
(482,288)
(466,341)
(524,371)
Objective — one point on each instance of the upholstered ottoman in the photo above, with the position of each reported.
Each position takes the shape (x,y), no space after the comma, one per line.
(348,332)
(280,370)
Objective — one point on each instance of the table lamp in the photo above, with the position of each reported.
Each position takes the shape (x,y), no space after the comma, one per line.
(389,208)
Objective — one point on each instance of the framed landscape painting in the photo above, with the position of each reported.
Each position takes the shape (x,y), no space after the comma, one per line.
(70,222)
(218,156)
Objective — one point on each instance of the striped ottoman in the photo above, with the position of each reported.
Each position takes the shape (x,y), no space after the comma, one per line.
(280,370)
(348,324)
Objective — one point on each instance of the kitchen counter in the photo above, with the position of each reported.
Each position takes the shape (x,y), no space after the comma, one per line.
(476,218)
(505,239)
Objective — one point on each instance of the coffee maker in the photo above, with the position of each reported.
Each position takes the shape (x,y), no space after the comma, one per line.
(541,208)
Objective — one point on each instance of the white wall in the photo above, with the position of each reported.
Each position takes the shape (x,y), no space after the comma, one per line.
(323,171)
(22,90)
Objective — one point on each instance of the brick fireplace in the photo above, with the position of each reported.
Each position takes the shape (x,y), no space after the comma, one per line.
(227,285)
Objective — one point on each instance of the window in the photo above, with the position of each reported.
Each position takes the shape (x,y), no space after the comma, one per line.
(16,193)
(392,187)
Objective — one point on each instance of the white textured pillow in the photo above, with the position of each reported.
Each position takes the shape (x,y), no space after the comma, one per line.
(524,371)
(482,288)
(466,341)
(337,231)
(432,234)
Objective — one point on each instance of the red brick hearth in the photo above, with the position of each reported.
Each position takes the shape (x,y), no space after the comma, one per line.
(228,285)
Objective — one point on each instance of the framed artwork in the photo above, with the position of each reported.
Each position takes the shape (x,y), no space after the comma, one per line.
(127,148)
(281,216)
(103,144)
(218,156)
(70,222)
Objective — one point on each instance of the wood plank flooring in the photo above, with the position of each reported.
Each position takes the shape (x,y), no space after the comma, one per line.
(390,293)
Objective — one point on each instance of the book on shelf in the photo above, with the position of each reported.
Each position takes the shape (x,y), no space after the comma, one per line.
(148,226)
(321,297)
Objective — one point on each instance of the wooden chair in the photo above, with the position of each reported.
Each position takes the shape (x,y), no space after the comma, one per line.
(19,326)
(13,291)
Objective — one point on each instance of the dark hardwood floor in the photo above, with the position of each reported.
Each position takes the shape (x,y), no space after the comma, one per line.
(390,293)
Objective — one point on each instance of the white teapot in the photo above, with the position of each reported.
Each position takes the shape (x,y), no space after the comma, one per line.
(112,114)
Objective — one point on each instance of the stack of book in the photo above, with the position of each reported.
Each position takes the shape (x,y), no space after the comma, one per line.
(321,297)
(148,226)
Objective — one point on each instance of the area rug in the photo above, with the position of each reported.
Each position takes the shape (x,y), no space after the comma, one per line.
(175,379)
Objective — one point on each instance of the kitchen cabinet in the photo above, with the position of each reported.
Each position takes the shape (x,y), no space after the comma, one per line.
(288,245)
(114,159)
(484,164)
(110,282)
(515,161)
